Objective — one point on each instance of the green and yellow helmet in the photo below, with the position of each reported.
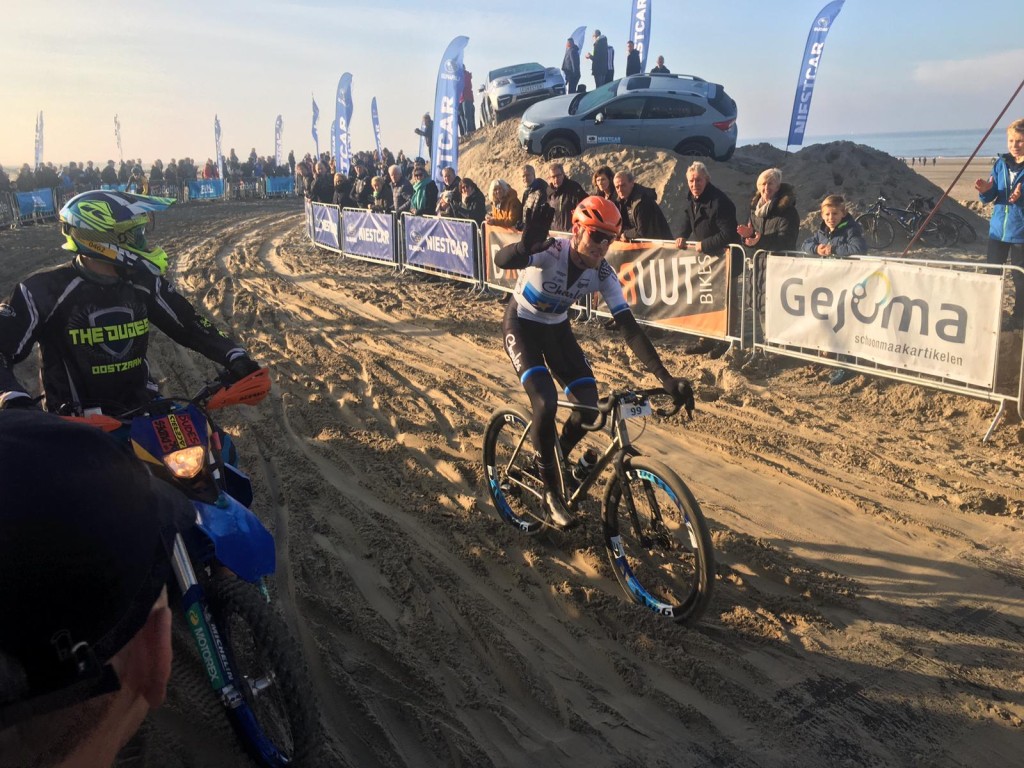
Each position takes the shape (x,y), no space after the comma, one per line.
(112,225)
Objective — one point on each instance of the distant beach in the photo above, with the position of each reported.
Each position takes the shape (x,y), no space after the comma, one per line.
(945,170)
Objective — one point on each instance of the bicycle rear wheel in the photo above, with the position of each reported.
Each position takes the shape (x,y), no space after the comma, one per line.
(965,233)
(877,231)
(516,490)
(939,233)
(662,557)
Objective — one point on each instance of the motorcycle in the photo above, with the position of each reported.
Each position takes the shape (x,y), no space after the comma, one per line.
(221,565)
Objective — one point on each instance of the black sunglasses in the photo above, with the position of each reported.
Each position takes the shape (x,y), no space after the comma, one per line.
(600,237)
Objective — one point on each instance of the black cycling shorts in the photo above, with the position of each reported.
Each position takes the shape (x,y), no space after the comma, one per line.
(533,346)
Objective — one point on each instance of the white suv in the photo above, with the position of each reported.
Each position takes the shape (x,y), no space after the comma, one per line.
(518,84)
(678,112)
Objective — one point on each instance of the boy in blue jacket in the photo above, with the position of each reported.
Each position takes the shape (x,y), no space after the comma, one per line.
(839,235)
(1006,229)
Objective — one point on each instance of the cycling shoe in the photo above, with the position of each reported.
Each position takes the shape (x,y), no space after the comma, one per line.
(558,515)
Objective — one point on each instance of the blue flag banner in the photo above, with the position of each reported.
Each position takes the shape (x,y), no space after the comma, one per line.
(446,110)
(216,137)
(376,130)
(578,35)
(809,71)
(325,225)
(640,29)
(342,120)
(446,244)
(206,189)
(368,235)
(278,126)
(316,139)
(39,141)
(38,202)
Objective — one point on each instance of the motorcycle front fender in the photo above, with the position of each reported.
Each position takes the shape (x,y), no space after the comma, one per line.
(240,541)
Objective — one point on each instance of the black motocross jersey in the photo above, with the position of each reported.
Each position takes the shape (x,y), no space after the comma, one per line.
(93,333)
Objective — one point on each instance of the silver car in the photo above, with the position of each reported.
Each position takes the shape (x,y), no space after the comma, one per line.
(678,112)
(517,85)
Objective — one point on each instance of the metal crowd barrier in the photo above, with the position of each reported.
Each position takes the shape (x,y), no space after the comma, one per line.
(442,246)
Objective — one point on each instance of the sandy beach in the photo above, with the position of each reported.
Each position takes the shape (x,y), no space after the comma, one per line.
(946,169)
(869,604)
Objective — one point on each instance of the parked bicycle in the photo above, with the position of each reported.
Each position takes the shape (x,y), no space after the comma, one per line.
(965,233)
(879,224)
(653,528)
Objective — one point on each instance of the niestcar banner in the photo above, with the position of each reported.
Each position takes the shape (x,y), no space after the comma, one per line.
(216,139)
(376,130)
(446,110)
(325,225)
(496,238)
(278,125)
(206,189)
(444,244)
(342,120)
(640,29)
(38,202)
(117,135)
(919,318)
(316,139)
(666,286)
(280,185)
(367,235)
(809,71)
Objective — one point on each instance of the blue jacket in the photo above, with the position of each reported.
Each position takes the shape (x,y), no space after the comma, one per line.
(847,239)
(1007,224)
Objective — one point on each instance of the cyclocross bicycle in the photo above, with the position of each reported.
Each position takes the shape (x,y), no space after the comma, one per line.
(879,230)
(965,233)
(653,529)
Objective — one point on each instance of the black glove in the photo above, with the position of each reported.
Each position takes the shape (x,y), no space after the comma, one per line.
(16,399)
(536,226)
(682,393)
(239,367)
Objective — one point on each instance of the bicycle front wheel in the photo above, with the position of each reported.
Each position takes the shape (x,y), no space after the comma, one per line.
(515,488)
(658,541)
(877,231)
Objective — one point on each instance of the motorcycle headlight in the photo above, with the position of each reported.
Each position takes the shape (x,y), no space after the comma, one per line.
(186,463)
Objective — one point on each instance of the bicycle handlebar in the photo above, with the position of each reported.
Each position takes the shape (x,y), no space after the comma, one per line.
(607,404)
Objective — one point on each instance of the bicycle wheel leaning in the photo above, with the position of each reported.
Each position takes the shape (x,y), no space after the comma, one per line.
(939,233)
(965,233)
(512,481)
(280,726)
(878,231)
(662,557)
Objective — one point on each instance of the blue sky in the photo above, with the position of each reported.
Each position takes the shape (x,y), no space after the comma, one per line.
(167,67)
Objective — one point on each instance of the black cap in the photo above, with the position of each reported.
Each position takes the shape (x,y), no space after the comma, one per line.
(84,538)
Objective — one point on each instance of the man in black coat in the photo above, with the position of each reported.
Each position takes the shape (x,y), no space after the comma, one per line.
(709,221)
(632,59)
(599,59)
(642,217)
(564,195)
(571,65)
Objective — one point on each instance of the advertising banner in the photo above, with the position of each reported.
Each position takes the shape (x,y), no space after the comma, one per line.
(496,238)
(809,71)
(924,319)
(679,289)
(39,141)
(206,189)
(38,202)
(342,120)
(117,135)
(446,110)
(640,29)
(444,244)
(368,235)
(278,127)
(325,225)
(316,139)
(376,131)
(216,138)
(578,35)
(280,185)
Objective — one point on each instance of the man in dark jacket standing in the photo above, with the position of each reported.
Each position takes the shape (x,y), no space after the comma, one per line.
(564,195)
(632,59)
(599,59)
(571,65)
(642,217)
(709,220)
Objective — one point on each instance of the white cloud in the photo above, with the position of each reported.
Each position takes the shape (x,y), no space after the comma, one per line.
(992,71)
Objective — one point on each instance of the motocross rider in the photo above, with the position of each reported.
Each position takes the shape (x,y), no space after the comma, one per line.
(92,315)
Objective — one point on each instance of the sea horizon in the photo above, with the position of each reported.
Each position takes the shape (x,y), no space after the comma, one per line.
(958,143)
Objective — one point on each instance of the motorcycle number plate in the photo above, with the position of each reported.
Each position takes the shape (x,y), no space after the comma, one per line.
(175,431)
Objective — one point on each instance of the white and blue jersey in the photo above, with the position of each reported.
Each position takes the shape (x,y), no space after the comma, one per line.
(542,292)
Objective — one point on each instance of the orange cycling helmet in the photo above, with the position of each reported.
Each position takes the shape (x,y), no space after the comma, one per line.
(598,213)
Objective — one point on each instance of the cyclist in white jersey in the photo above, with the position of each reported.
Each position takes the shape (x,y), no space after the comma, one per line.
(539,339)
